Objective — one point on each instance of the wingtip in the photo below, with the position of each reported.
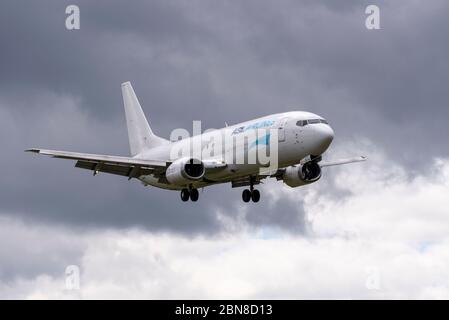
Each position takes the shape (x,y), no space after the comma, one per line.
(363,158)
(126,83)
(34,150)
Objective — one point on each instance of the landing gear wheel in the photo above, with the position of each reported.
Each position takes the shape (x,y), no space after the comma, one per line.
(246,195)
(185,194)
(194,195)
(255,196)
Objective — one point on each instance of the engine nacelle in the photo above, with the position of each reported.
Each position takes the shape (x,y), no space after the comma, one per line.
(184,171)
(302,174)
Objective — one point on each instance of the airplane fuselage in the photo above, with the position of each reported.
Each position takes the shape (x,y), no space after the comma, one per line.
(295,142)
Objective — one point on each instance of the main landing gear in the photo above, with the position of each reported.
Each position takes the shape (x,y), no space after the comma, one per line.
(193,194)
(251,193)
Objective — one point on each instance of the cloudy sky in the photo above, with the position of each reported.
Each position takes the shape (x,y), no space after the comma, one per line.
(374,230)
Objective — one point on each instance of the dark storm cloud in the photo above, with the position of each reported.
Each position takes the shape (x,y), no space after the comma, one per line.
(210,60)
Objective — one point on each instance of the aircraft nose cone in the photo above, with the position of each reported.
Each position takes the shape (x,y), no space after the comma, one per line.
(327,135)
(324,137)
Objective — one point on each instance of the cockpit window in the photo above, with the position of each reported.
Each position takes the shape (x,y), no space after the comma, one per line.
(302,123)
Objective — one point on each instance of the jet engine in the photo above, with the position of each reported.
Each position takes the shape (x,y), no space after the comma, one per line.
(300,175)
(184,171)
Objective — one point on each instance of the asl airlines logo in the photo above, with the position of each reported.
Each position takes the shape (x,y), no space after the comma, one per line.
(257,125)
(256,143)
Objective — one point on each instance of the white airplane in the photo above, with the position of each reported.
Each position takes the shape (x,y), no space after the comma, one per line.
(301,137)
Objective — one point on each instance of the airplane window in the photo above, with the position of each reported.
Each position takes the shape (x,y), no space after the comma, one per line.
(302,123)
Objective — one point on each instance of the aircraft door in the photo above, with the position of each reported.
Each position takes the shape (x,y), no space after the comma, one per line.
(281,130)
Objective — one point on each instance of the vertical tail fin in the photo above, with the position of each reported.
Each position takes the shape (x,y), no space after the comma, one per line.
(140,135)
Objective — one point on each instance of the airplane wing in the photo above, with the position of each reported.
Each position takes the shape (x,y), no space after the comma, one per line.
(124,166)
(341,161)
